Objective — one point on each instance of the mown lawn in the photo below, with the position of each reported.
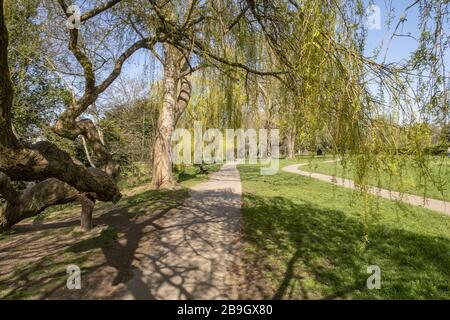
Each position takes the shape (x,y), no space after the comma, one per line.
(430,179)
(314,240)
(192,175)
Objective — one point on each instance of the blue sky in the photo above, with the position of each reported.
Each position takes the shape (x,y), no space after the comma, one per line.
(401,47)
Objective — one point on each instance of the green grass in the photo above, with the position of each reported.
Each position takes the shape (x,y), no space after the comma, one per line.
(314,240)
(432,181)
(104,239)
(37,279)
(187,177)
(192,175)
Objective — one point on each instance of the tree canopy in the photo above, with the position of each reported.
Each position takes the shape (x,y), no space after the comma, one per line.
(299,66)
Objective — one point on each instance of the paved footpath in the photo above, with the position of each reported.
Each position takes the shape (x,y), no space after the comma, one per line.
(196,253)
(432,204)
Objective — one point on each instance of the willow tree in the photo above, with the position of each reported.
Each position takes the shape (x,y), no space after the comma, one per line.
(193,35)
(327,93)
(314,49)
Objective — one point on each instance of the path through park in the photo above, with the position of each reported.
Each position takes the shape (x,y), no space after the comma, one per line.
(432,204)
(195,253)
(189,248)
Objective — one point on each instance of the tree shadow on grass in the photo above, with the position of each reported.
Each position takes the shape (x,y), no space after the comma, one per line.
(55,244)
(316,253)
(164,255)
(133,252)
(133,223)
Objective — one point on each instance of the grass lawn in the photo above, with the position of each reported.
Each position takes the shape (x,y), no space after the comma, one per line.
(192,175)
(404,177)
(310,239)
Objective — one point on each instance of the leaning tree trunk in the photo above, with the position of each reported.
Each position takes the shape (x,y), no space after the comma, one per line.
(174,104)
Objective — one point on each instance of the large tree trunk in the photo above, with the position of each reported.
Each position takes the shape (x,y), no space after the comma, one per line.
(174,104)
(162,153)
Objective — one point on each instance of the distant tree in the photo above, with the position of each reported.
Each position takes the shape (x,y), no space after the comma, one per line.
(130,129)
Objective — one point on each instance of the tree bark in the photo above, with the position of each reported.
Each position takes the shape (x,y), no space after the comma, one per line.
(86,152)
(290,142)
(7,136)
(162,164)
(44,159)
(172,109)
(87,208)
(32,201)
